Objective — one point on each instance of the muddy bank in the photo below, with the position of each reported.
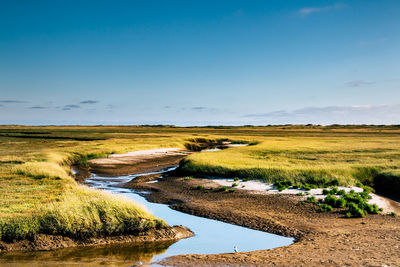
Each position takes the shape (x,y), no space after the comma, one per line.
(322,238)
(50,242)
(137,162)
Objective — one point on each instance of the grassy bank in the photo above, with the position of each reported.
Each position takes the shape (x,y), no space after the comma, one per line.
(38,194)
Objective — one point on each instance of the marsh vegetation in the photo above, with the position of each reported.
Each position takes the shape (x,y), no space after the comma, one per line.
(343,156)
(38,193)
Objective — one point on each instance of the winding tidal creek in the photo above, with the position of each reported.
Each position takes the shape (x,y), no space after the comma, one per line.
(211,237)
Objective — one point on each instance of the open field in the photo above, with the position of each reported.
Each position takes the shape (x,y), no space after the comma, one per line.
(36,180)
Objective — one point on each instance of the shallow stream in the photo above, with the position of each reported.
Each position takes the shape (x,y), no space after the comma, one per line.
(210,237)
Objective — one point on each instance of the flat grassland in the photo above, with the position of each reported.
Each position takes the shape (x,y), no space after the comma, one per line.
(38,193)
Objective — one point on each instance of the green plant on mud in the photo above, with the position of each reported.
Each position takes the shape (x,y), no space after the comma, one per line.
(353,204)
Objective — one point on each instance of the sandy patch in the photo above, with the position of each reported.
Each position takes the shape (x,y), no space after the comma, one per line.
(146,152)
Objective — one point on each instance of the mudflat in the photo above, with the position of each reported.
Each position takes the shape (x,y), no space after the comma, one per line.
(137,161)
(321,238)
(50,242)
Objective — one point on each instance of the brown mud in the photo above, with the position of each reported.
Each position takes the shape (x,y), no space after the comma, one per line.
(50,242)
(126,164)
(326,239)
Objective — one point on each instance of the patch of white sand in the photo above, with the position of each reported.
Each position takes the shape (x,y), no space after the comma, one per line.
(236,145)
(263,188)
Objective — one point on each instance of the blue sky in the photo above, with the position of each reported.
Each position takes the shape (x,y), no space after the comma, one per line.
(199,62)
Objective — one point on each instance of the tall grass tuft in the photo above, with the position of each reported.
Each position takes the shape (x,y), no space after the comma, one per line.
(82,213)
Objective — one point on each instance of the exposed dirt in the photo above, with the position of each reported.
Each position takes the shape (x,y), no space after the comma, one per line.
(125,164)
(321,238)
(81,172)
(50,242)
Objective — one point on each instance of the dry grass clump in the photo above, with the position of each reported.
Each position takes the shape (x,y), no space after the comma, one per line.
(82,213)
(41,170)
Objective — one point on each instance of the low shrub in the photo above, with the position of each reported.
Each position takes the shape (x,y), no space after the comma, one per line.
(340,203)
(311,199)
(331,200)
(355,210)
(356,204)
(324,207)
(282,185)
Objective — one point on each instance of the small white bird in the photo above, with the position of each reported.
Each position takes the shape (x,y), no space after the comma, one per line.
(235,249)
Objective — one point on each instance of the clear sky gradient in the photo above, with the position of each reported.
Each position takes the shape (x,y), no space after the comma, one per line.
(199,62)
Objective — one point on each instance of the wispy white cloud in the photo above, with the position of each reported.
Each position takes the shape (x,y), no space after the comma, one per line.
(199,108)
(38,107)
(365,114)
(69,107)
(306,11)
(205,109)
(89,102)
(358,83)
(12,101)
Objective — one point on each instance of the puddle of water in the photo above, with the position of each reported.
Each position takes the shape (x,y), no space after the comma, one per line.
(110,255)
(211,237)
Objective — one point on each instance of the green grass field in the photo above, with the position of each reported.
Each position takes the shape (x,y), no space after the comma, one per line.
(36,180)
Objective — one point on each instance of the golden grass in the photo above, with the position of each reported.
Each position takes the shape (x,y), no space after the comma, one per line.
(347,159)
(36,183)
